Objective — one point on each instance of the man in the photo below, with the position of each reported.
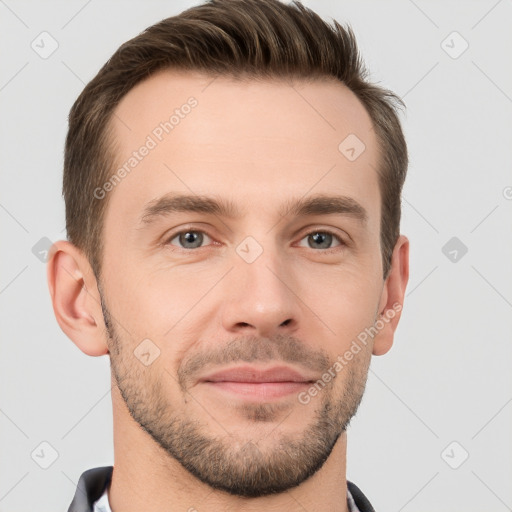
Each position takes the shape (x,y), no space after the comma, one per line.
(232,187)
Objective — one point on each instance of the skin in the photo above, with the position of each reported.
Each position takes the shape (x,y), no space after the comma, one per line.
(257,144)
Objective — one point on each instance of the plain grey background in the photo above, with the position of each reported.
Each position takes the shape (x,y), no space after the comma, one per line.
(434,428)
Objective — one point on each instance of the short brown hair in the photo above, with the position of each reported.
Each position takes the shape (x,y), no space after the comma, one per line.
(254,38)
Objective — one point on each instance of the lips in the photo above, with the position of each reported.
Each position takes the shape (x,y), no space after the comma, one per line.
(258,385)
(253,375)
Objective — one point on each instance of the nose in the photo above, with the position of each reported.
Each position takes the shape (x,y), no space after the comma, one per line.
(260,298)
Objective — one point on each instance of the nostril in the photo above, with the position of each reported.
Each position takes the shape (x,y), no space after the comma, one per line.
(286,322)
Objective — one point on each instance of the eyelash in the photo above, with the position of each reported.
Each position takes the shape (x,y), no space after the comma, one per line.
(323,231)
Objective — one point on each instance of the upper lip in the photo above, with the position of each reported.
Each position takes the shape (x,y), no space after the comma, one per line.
(253,374)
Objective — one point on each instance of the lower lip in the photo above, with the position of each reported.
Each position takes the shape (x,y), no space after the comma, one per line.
(259,390)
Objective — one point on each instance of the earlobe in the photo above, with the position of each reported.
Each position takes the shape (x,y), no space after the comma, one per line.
(75,298)
(392,298)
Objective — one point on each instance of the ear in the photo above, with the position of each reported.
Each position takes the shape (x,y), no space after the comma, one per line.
(392,297)
(75,298)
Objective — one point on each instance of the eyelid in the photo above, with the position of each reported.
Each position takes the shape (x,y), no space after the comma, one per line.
(343,237)
(339,238)
(171,236)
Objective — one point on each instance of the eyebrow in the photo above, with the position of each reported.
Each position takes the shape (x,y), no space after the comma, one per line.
(313,205)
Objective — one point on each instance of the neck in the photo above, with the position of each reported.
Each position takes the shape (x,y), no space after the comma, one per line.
(145,477)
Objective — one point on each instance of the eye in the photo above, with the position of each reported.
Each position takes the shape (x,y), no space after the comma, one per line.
(322,240)
(189,239)
(194,239)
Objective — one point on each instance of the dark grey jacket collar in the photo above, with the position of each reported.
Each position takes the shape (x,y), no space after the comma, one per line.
(93,483)
(359,498)
(91,486)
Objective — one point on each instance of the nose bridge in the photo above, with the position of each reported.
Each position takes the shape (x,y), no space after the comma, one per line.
(259,294)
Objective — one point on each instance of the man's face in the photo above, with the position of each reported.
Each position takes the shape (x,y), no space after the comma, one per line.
(220,323)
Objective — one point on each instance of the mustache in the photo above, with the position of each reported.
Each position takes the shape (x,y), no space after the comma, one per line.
(279,348)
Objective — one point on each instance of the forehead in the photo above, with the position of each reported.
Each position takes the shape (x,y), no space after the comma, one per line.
(256,142)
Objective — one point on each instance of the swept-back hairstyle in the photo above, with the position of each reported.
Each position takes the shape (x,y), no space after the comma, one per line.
(249,38)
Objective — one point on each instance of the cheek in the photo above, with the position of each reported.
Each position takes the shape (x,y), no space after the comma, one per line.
(166,307)
(153,299)
(344,302)
(346,288)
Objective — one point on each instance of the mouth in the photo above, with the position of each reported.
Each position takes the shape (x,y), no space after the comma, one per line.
(256,384)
